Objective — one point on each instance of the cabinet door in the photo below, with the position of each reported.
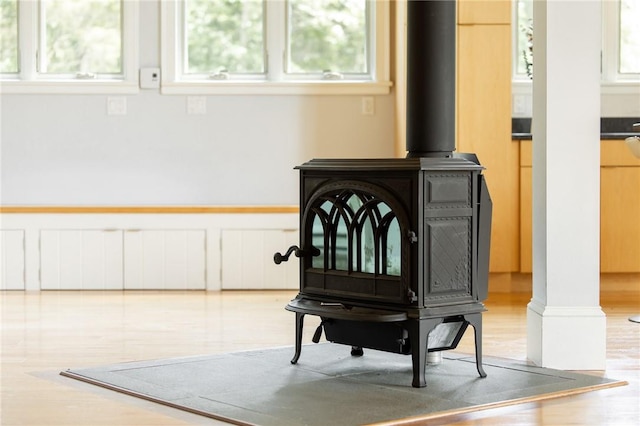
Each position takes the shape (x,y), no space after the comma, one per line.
(484,11)
(619,223)
(247,259)
(80,260)
(12,260)
(620,219)
(526,213)
(484,128)
(164,259)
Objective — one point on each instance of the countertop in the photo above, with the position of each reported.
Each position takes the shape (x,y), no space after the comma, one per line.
(610,128)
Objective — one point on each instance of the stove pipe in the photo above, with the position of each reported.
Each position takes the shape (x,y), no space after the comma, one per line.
(431,78)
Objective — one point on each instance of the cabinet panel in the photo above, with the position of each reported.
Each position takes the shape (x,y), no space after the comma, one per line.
(80,260)
(484,11)
(247,259)
(617,153)
(164,259)
(619,209)
(12,260)
(526,219)
(484,128)
(620,219)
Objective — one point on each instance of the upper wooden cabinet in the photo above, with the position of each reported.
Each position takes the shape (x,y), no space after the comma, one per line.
(484,12)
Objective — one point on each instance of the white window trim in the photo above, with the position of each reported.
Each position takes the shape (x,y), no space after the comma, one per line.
(171,83)
(28,81)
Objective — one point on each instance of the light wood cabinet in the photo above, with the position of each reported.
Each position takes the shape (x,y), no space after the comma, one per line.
(619,208)
(526,219)
(483,108)
(484,12)
(484,127)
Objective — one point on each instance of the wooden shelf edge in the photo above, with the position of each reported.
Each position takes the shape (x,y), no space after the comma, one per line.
(148,209)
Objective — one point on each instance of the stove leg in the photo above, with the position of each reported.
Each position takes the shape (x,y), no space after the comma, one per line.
(476,321)
(299,323)
(419,334)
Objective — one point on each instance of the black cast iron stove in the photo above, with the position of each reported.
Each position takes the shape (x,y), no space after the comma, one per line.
(394,253)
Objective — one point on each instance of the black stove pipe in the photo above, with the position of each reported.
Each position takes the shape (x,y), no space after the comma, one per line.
(431,78)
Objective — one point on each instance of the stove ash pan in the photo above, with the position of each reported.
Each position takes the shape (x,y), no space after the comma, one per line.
(393,253)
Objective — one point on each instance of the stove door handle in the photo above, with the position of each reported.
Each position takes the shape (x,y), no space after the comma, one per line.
(278,258)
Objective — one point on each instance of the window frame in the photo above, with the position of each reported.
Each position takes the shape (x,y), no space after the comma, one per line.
(29,80)
(616,88)
(610,47)
(275,81)
(611,17)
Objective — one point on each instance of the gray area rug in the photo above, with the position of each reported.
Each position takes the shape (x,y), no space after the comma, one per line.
(330,387)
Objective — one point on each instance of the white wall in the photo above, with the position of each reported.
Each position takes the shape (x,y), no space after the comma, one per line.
(66,150)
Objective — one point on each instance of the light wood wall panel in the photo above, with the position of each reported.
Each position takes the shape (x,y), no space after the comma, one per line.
(484,128)
(483,111)
(399,75)
(484,12)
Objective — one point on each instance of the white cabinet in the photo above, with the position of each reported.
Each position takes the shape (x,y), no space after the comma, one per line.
(247,259)
(165,259)
(81,259)
(12,259)
(122,259)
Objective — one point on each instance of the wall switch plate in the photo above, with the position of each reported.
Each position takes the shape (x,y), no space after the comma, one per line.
(196,105)
(519,104)
(116,105)
(368,105)
(150,78)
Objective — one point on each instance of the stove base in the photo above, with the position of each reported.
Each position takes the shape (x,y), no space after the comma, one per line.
(389,331)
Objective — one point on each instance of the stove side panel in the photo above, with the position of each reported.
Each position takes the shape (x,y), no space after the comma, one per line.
(448,238)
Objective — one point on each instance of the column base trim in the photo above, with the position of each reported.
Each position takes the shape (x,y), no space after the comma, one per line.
(566,337)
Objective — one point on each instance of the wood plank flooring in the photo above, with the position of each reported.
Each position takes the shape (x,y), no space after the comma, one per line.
(46,332)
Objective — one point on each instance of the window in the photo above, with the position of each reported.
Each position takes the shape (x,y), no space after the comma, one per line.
(8,36)
(222,36)
(621,39)
(275,46)
(331,44)
(69,46)
(80,39)
(523,38)
(620,84)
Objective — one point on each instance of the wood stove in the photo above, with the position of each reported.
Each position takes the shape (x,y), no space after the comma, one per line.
(394,253)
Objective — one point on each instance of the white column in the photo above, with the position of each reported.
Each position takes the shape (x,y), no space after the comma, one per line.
(566,328)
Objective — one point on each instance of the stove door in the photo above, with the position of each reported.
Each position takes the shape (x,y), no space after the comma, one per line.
(360,235)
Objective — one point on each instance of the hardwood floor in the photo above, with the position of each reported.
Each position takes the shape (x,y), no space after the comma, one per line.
(46,332)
